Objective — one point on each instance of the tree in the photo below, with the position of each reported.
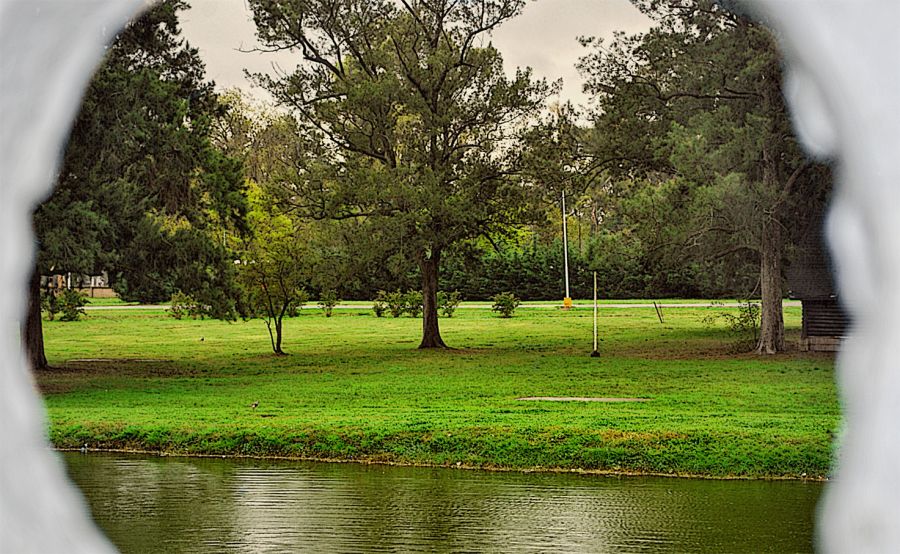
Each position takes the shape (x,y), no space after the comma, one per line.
(275,265)
(140,185)
(695,106)
(281,254)
(411,117)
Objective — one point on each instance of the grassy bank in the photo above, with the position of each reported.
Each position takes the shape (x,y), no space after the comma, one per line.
(356,388)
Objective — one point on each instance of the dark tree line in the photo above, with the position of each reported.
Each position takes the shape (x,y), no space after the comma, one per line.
(140,186)
(692,128)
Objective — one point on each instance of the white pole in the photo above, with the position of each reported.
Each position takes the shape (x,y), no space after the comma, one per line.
(567,301)
(595,311)
(595,353)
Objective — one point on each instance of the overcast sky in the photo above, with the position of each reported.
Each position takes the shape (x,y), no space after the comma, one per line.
(543,38)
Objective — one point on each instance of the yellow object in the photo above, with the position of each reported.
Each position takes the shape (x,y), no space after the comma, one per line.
(567,302)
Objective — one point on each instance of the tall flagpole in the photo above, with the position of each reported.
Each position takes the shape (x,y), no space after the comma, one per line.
(567,301)
(595,353)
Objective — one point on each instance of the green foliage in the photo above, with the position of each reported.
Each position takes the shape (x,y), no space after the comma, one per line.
(141,193)
(301,298)
(534,271)
(379,305)
(448,302)
(625,270)
(407,114)
(167,255)
(412,303)
(71,304)
(276,263)
(141,188)
(328,299)
(183,305)
(505,303)
(692,115)
(49,303)
(743,324)
(630,264)
(398,303)
(395,302)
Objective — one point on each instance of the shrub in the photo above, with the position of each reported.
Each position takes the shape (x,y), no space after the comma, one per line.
(448,302)
(328,300)
(185,305)
(743,326)
(505,304)
(412,303)
(396,303)
(379,305)
(301,298)
(71,304)
(49,304)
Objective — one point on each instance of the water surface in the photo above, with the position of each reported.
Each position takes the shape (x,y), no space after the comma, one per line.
(152,504)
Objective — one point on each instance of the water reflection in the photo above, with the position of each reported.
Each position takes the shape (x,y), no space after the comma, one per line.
(148,504)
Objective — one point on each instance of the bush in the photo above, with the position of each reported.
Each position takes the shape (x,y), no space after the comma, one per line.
(301,298)
(380,305)
(396,303)
(71,304)
(49,304)
(743,326)
(505,304)
(412,303)
(448,302)
(185,305)
(328,299)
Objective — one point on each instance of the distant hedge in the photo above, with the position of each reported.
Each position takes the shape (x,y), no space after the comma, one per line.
(535,272)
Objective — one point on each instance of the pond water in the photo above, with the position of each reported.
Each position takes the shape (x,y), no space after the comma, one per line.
(166,504)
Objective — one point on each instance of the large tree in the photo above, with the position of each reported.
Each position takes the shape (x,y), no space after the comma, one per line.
(413,117)
(140,185)
(694,109)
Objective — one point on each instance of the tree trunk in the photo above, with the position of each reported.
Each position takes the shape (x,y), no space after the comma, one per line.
(771,328)
(268,323)
(275,334)
(431,333)
(278,328)
(33,332)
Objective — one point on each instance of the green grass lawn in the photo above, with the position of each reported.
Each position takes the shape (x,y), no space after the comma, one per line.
(355,387)
(115,301)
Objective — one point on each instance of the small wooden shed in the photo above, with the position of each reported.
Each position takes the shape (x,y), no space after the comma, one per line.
(810,280)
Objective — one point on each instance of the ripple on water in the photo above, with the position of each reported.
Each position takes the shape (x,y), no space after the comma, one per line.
(209,505)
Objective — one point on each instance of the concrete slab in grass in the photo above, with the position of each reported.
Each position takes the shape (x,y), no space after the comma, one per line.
(578,399)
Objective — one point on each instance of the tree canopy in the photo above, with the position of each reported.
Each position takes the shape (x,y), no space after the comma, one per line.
(411,121)
(141,187)
(692,111)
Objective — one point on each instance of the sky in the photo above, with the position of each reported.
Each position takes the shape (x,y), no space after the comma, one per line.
(543,38)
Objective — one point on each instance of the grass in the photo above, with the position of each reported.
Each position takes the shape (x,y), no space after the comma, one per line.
(356,388)
(114,301)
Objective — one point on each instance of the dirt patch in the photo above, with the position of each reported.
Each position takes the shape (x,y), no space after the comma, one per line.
(88,367)
(73,374)
(708,350)
(131,366)
(118,360)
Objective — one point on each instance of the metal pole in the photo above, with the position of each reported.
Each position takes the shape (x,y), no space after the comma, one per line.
(595,353)
(595,311)
(567,301)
